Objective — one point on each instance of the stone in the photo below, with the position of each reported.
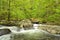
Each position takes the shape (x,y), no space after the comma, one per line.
(26,24)
(4,31)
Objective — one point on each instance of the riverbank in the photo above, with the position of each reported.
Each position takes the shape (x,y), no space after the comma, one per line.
(53,29)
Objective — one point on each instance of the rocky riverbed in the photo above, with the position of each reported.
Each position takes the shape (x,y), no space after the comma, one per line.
(53,29)
(31,34)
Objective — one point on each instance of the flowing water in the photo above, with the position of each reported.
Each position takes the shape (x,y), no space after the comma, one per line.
(21,34)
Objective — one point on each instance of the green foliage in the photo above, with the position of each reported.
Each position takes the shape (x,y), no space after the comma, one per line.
(44,10)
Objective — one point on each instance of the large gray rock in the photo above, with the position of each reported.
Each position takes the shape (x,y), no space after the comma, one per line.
(26,24)
(4,31)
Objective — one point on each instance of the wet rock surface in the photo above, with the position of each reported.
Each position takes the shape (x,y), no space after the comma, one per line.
(4,31)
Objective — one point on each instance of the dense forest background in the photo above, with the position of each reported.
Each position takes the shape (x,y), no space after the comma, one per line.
(45,11)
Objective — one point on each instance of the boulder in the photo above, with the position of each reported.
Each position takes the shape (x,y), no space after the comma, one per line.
(26,24)
(4,31)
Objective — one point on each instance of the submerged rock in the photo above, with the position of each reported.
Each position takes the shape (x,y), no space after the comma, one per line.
(32,35)
(4,31)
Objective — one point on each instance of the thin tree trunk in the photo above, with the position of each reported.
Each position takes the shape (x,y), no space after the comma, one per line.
(9,12)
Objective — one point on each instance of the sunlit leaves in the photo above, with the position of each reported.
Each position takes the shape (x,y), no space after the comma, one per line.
(22,9)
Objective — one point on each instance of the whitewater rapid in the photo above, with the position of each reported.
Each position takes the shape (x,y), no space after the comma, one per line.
(15,30)
(5,37)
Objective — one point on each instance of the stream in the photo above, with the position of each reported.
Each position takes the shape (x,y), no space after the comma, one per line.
(31,34)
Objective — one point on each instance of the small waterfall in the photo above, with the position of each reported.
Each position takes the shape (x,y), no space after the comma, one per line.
(15,29)
(35,26)
(22,30)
